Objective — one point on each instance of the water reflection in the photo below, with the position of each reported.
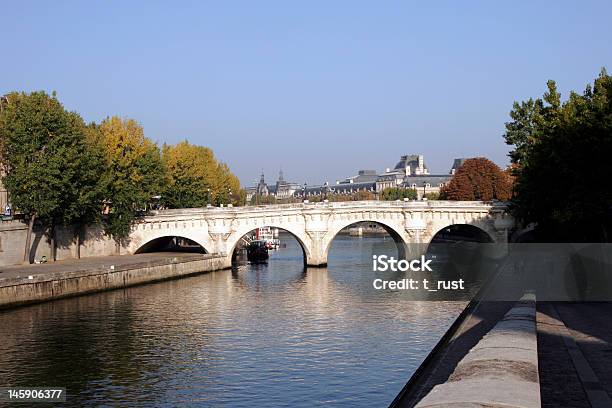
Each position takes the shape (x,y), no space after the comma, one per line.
(256,335)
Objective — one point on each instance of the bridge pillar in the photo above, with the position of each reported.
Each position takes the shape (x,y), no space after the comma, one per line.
(219,229)
(502,224)
(419,238)
(316,228)
(317,251)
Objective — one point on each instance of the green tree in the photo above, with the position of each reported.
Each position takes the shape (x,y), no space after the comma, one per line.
(561,155)
(397,193)
(135,174)
(478,179)
(51,169)
(529,120)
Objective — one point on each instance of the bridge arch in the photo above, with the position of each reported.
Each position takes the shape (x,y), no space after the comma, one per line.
(170,243)
(469,232)
(397,233)
(299,235)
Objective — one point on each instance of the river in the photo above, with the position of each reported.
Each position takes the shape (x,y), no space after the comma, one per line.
(269,335)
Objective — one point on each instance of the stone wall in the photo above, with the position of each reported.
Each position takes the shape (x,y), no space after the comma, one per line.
(49,286)
(13,236)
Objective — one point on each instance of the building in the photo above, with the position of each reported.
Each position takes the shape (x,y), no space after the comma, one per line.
(416,175)
(284,189)
(409,172)
(280,190)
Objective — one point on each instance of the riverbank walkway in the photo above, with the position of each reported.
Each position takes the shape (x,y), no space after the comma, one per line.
(27,284)
(574,346)
(575,354)
(574,343)
(74,265)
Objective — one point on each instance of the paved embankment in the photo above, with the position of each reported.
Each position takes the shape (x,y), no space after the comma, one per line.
(575,347)
(501,370)
(36,283)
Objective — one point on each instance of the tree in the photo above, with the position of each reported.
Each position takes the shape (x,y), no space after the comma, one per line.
(478,179)
(135,173)
(363,196)
(51,170)
(227,188)
(432,196)
(84,199)
(397,193)
(561,162)
(191,172)
(195,178)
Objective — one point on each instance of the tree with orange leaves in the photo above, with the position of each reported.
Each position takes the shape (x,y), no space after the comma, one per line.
(478,179)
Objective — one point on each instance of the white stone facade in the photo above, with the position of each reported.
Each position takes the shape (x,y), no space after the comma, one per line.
(315,225)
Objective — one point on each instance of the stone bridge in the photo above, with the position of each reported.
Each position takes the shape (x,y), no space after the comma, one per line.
(314,225)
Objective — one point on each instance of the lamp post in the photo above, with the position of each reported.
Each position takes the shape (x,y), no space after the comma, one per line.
(424,186)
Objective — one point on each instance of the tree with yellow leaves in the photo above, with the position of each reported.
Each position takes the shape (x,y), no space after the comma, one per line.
(194,178)
(135,173)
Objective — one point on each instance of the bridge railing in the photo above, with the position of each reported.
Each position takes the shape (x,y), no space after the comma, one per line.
(344,204)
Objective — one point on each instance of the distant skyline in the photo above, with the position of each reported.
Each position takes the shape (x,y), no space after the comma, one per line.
(321,89)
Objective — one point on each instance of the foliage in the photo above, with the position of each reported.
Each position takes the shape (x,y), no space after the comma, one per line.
(363,196)
(258,199)
(432,196)
(398,193)
(191,172)
(227,187)
(60,171)
(561,162)
(52,170)
(478,179)
(135,173)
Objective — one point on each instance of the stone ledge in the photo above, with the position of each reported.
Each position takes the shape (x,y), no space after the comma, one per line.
(59,285)
(485,392)
(501,370)
(51,276)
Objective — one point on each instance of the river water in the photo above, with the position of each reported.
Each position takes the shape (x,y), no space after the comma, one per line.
(270,335)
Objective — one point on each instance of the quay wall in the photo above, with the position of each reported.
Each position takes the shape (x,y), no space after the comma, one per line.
(43,287)
(13,236)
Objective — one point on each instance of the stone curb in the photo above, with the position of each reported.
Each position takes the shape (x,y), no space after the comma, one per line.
(500,371)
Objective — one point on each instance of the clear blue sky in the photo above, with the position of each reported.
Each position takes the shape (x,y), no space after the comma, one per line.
(319,88)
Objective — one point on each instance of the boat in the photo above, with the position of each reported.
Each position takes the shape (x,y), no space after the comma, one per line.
(269,235)
(257,251)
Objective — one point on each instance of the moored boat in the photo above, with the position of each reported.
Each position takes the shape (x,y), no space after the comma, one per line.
(257,251)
